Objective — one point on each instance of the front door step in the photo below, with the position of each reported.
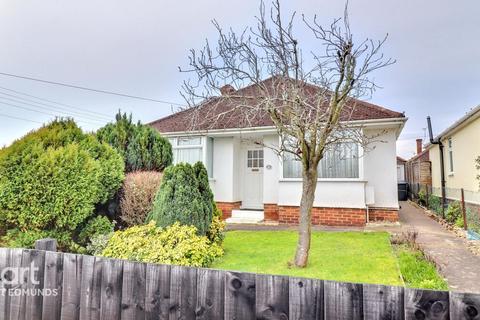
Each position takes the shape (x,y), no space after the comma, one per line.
(246,217)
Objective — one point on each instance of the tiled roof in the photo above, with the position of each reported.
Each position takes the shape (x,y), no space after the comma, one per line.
(224,112)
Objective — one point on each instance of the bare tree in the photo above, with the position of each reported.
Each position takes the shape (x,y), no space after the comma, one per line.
(309,101)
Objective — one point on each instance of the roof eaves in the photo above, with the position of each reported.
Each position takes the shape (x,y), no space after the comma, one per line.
(469,115)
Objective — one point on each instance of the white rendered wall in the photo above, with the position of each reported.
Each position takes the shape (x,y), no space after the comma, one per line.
(380,168)
(223,169)
(333,194)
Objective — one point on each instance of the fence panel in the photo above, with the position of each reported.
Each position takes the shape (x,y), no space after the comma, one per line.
(305,298)
(426,304)
(210,294)
(98,288)
(240,296)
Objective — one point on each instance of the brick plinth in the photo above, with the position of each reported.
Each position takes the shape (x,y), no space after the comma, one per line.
(270,211)
(325,216)
(380,214)
(227,207)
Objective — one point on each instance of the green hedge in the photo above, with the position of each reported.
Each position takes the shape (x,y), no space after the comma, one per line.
(142,147)
(52,179)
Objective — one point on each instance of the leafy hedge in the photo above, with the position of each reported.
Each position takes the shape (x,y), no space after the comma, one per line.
(52,179)
(185,197)
(142,147)
(175,244)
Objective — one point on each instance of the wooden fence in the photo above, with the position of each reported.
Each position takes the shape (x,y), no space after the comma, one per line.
(90,287)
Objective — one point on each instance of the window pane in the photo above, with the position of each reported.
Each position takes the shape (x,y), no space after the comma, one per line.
(451,160)
(260,163)
(260,154)
(189,155)
(249,163)
(341,162)
(291,167)
(255,163)
(189,141)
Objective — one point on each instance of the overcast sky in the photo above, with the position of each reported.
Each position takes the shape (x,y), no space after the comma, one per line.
(135,47)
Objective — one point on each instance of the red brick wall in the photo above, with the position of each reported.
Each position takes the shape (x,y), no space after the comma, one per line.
(379,214)
(320,216)
(270,211)
(227,207)
(325,216)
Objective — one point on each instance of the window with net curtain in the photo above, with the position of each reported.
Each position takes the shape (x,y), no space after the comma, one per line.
(340,162)
(190,150)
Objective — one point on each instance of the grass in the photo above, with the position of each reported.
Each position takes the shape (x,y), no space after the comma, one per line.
(417,272)
(342,256)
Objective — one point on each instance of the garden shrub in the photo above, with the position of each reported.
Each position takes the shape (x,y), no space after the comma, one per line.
(422,197)
(473,220)
(435,204)
(98,225)
(175,244)
(216,233)
(98,243)
(454,211)
(138,192)
(16,238)
(142,147)
(52,179)
(185,197)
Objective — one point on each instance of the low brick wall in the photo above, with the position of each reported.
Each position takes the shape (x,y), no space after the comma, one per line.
(227,207)
(270,211)
(325,216)
(320,216)
(383,214)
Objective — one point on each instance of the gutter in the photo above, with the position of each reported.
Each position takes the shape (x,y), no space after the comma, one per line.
(272,129)
(438,140)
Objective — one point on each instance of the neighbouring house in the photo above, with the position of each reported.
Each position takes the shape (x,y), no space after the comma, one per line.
(401,169)
(251,181)
(418,169)
(461,147)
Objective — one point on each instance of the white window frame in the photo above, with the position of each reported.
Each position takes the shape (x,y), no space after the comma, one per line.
(357,179)
(450,156)
(202,146)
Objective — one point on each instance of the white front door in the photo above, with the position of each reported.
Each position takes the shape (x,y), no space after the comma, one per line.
(253,177)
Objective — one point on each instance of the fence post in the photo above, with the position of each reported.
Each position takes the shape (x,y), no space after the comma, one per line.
(464,213)
(47,244)
(427,196)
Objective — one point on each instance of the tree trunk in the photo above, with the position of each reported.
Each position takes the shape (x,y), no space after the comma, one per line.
(305,220)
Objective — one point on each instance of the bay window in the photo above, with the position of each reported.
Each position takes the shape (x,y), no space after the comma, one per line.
(339,162)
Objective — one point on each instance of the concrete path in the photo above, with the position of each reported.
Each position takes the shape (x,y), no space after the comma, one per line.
(457,264)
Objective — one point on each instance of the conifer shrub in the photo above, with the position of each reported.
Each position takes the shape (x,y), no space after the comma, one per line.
(185,197)
(52,179)
(142,147)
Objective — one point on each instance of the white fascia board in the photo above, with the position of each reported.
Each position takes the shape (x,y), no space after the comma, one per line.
(400,122)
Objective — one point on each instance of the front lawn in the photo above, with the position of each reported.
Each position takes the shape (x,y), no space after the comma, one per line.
(342,256)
